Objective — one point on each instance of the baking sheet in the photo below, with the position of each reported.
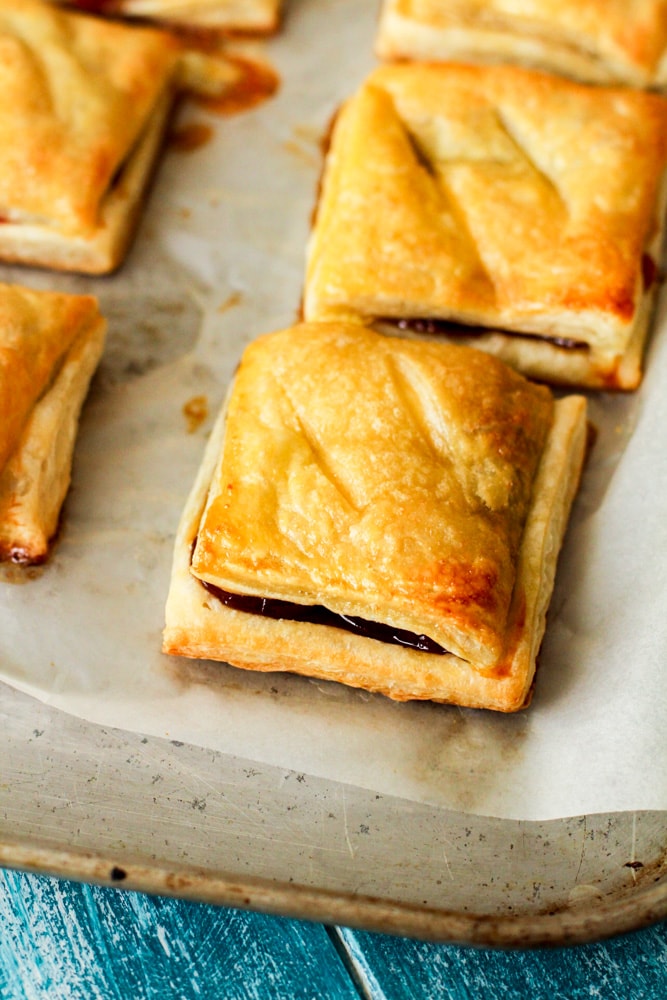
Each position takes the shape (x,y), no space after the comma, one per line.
(219,260)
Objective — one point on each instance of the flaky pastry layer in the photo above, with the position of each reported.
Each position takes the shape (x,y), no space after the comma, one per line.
(596,41)
(502,199)
(247,16)
(437,460)
(50,345)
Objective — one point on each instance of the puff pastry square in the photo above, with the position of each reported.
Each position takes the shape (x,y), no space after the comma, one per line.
(378,511)
(508,208)
(259,17)
(84,106)
(597,41)
(50,345)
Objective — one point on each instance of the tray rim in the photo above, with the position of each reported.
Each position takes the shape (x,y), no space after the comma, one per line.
(588,923)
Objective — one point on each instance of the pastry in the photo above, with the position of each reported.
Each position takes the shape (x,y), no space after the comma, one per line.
(598,41)
(85,104)
(502,207)
(378,511)
(246,16)
(50,345)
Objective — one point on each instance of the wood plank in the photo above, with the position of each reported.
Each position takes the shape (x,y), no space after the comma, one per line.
(61,939)
(633,966)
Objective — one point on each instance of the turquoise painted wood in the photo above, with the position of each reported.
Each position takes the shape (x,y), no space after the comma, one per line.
(63,941)
(633,967)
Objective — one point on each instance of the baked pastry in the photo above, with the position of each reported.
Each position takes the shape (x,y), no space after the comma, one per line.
(378,511)
(259,17)
(499,206)
(50,345)
(597,41)
(84,106)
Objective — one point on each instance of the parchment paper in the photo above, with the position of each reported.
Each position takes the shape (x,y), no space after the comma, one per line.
(219,260)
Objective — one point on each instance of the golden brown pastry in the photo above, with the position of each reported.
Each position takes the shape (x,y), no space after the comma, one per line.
(247,16)
(598,41)
(84,106)
(50,345)
(378,511)
(499,206)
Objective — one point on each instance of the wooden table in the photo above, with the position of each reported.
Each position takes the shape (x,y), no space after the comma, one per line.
(61,939)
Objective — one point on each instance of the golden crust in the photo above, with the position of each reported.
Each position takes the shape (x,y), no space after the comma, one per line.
(420,485)
(49,348)
(599,41)
(499,198)
(79,99)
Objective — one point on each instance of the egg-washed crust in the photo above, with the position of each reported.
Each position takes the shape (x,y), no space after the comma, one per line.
(50,345)
(507,200)
(85,104)
(596,41)
(261,17)
(422,485)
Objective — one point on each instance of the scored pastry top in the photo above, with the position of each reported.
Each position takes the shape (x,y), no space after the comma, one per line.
(605,39)
(76,94)
(379,477)
(496,196)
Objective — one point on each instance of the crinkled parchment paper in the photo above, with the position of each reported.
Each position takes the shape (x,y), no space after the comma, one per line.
(219,260)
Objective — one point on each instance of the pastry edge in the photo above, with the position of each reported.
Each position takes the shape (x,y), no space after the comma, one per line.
(399,37)
(198,626)
(257,17)
(36,479)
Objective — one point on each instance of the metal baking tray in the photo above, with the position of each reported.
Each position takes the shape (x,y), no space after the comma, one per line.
(117,808)
(135,811)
